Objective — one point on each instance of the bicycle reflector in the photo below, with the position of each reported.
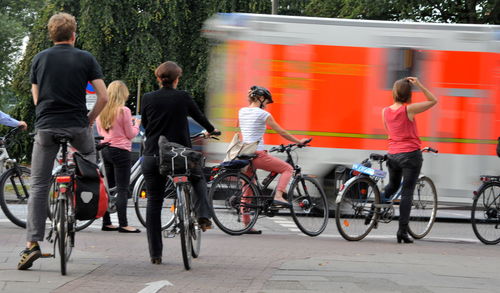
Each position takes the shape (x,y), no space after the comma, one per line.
(143,194)
(484,178)
(63,179)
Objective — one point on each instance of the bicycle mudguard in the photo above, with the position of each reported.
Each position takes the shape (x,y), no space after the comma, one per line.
(369,171)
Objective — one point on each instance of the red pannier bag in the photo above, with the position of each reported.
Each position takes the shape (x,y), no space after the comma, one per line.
(91,198)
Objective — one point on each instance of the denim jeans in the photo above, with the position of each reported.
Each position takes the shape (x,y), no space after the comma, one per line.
(117,165)
(42,162)
(406,166)
(155,187)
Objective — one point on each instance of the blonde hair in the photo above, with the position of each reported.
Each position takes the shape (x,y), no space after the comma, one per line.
(118,94)
(61,27)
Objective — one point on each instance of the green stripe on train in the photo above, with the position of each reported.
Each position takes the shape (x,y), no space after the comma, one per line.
(376,136)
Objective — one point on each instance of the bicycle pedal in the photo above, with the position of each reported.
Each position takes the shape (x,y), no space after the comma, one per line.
(47,255)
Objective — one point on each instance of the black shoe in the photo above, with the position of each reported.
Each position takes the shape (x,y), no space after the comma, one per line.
(281,204)
(205,224)
(156,260)
(122,230)
(402,234)
(106,228)
(253,231)
(28,256)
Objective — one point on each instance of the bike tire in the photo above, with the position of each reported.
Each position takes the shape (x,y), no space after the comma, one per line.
(309,205)
(14,194)
(62,234)
(232,212)
(424,208)
(140,202)
(184,218)
(194,228)
(355,213)
(485,214)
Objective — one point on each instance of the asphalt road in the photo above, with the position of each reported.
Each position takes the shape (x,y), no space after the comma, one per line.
(282,259)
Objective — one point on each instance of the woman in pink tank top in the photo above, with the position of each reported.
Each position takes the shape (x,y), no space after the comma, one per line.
(404,159)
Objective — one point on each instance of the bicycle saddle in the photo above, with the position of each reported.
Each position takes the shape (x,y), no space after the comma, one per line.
(247,157)
(60,138)
(100,146)
(378,157)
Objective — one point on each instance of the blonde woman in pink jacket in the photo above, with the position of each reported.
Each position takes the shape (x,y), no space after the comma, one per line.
(116,125)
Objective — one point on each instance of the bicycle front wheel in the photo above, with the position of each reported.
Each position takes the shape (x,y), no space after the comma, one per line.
(140,202)
(485,215)
(233,201)
(309,206)
(184,218)
(355,210)
(14,193)
(423,209)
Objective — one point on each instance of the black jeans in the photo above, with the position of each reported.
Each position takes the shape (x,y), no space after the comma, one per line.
(155,187)
(117,164)
(406,166)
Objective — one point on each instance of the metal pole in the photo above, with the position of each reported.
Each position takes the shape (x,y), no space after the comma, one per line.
(138,100)
(275,7)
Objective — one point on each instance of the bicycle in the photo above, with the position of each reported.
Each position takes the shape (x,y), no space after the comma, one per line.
(485,213)
(237,200)
(62,228)
(139,194)
(185,222)
(14,184)
(359,207)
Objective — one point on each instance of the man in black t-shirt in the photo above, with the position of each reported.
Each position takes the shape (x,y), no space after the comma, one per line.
(59,76)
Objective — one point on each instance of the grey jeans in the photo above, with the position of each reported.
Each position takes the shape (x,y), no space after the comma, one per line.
(42,162)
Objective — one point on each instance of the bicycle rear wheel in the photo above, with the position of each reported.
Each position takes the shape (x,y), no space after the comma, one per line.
(423,209)
(485,215)
(234,203)
(140,202)
(183,214)
(63,237)
(14,193)
(355,211)
(309,206)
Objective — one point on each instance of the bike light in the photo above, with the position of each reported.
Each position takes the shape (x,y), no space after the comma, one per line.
(484,179)
(363,191)
(63,179)
(143,194)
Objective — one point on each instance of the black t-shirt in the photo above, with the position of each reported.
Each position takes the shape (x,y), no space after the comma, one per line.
(165,112)
(62,73)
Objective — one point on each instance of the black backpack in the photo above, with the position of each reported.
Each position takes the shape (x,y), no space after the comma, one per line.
(176,159)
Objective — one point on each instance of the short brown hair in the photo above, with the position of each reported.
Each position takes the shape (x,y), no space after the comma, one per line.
(401,91)
(61,27)
(168,72)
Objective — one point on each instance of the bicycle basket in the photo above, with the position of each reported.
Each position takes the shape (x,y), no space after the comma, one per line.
(176,159)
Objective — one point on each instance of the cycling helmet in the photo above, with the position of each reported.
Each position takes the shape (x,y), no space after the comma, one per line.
(262,92)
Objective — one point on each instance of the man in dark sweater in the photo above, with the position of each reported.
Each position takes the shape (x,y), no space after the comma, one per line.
(165,112)
(59,76)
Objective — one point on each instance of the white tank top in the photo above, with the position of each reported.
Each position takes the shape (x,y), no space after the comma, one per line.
(253,125)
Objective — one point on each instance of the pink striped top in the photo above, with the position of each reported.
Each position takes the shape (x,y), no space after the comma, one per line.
(403,134)
(122,131)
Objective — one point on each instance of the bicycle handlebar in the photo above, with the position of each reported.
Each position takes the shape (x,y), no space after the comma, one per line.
(212,135)
(429,149)
(282,148)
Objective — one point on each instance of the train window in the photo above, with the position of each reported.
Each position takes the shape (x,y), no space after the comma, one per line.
(402,62)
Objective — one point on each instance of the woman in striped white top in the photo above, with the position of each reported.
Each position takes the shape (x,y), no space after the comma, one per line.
(252,121)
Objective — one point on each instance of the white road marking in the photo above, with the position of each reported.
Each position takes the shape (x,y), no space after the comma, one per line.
(154,287)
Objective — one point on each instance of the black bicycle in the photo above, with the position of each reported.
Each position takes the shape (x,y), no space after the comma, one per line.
(485,214)
(61,205)
(237,200)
